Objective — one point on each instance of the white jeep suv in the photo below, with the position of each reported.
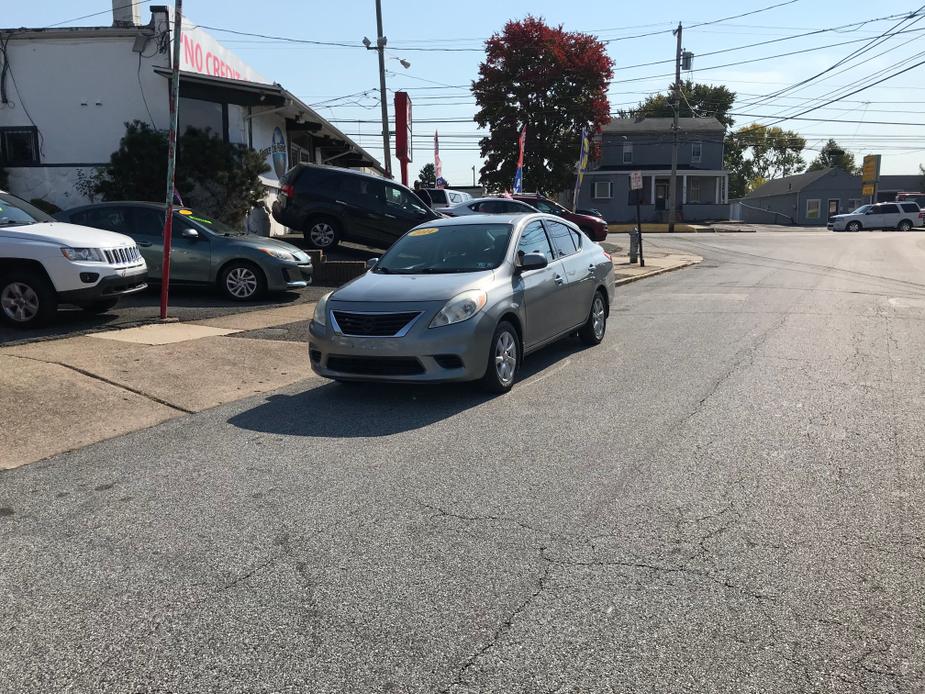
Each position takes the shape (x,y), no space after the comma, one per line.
(44,262)
(885,215)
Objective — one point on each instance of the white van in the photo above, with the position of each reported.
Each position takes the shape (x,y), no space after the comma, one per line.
(442,198)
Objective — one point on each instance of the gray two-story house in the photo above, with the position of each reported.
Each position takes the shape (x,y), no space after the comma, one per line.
(628,145)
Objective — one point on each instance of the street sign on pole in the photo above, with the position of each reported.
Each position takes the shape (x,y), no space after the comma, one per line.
(636,180)
(636,187)
(171,157)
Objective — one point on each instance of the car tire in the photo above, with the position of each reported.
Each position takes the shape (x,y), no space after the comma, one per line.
(593,331)
(100,306)
(322,233)
(27,299)
(904,225)
(241,280)
(853,226)
(505,346)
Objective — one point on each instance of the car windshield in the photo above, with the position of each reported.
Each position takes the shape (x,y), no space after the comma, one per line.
(16,212)
(447,248)
(862,209)
(209,224)
(547,206)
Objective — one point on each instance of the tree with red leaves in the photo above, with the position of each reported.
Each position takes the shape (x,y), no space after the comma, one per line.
(554,82)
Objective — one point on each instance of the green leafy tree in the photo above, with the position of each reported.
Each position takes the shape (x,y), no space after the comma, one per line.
(554,82)
(699,101)
(833,155)
(757,153)
(427,176)
(217,178)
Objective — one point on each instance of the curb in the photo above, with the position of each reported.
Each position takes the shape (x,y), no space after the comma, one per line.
(660,271)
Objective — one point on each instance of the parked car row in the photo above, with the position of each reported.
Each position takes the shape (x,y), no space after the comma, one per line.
(329,205)
(91,256)
(885,215)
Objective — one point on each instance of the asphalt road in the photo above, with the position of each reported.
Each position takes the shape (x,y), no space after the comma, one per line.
(727,495)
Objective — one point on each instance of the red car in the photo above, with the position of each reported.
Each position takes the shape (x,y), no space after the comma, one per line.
(594,227)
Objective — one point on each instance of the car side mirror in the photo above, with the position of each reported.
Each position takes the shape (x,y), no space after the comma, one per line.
(371,263)
(189,233)
(532,261)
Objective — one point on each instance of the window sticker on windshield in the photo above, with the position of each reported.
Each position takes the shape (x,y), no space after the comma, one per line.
(188,213)
(424,232)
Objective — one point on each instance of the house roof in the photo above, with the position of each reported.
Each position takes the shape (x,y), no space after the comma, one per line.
(623,126)
(788,184)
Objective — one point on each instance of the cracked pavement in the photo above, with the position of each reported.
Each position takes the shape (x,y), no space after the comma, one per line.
(727,495)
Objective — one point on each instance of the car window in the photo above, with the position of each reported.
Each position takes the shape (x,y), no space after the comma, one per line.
(455,198)
(534,240)
(447,249)
(910,207)
(438,196)
(561,238)
(476,206)
(108,218)
(544,206)
(400,200)
(14,211)
(148,222)
(888,209)
(492,207)
(576,238)
(362,192)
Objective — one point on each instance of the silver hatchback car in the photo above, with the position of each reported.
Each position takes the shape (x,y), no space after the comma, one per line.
(464,299)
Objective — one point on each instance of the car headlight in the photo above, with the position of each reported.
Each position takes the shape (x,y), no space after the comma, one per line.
(82,254)
(279,253)
(321,310)
(461,307)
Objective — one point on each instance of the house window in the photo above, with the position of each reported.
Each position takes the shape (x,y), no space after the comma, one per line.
(693,189)
(603,190)
(813,207)
(627,152)
(696,152)
(19,146)
(853,204)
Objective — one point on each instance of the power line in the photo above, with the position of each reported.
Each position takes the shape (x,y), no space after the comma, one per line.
(96,14)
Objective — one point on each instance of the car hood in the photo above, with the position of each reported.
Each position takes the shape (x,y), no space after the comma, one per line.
(67,235)
(255,241)
(575,216)
(374,286)
(844,216)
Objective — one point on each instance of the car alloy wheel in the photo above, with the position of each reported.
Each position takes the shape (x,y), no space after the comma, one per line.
(853,226)
(905,225)
(241,282)
(321,234)
(20,302)
(506,357)
(598,317)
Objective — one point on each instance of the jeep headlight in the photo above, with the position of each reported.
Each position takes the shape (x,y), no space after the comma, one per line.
(82,254)
(321,310)
(460,308)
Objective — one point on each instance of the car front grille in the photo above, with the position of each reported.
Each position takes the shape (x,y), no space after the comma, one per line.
(375,366)
(122,256)
(373,324)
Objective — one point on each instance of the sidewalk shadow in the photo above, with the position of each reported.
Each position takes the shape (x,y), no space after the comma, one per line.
(353,410)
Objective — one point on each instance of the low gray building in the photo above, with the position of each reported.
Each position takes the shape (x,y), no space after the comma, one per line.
(807,199)
(644,145)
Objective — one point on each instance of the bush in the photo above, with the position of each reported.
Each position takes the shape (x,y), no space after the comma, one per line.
(45,206)
(217,178)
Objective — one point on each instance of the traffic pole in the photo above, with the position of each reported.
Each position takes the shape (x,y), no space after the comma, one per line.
(171,157)
(642,260)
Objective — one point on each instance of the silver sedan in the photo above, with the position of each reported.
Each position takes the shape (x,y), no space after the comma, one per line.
(489,206)
(464,299)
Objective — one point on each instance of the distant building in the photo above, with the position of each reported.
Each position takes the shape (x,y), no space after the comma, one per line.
(628,145)
(807,199)
(67,93)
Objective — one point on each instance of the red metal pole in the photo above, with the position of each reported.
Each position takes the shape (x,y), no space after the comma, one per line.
(171,156)
(404,171)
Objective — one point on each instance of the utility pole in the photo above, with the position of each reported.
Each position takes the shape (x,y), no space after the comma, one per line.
(171,156)
(473,176)
(380,46)
(673,187)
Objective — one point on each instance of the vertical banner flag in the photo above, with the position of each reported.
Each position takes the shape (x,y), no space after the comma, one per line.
(519,174)
(438,166)
(582,165)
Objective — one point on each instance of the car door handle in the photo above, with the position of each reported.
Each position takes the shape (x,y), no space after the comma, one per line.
(391,216)
(340,202)
(144,244)
(559,279)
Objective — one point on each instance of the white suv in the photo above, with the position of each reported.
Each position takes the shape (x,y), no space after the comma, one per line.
(44,262)
(885,215)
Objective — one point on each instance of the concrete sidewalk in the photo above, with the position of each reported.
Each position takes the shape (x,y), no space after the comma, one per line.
(59,395)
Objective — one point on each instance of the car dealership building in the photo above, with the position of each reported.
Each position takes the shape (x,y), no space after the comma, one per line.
(66,94)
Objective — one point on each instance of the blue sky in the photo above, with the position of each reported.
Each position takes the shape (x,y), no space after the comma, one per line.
(343,84)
